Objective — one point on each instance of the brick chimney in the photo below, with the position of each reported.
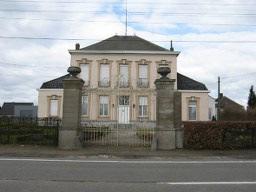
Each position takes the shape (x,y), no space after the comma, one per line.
(77,46)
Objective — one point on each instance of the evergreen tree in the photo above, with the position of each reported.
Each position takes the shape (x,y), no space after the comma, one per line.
(252,99)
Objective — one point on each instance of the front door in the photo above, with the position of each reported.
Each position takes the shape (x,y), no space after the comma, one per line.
(123,110)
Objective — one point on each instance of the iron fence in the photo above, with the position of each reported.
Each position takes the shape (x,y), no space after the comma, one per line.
(29,131)
(114,135)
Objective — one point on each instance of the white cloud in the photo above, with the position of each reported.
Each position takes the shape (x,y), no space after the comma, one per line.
(204,62)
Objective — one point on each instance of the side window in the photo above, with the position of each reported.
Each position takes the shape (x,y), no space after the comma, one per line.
(143,106)
(104,102)
(54,106)
(192,110)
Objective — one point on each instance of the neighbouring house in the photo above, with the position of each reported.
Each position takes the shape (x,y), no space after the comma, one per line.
(119,75)
(13,109)
(230,110)
(212,108)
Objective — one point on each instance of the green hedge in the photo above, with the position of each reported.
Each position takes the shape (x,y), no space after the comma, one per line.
(14,132)
(219,135)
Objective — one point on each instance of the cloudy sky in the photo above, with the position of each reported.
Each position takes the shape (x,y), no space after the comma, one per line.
(216,38)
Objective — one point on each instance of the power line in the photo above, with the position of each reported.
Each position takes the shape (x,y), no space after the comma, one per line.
(13,64)
(131,22)
(133,13)
(136,3)
(87,39)
(238,75)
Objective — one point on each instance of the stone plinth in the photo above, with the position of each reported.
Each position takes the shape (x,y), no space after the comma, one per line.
(168,113)
(69,132)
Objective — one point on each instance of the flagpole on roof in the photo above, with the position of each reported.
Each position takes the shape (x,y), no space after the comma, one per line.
(126,17)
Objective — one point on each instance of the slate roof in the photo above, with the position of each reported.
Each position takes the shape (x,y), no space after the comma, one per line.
(183,83)
(124,43)
(186,83)
(55,83)
(227,103)
(8,107)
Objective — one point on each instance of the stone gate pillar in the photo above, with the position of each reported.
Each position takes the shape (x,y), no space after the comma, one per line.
(168,112)
(70,129)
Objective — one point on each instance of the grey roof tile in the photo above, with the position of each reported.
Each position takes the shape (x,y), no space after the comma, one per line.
(55,83)
(183,83)
(8,107)
(186,83)
(125,43)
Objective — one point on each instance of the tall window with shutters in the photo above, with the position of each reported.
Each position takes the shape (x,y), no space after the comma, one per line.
(143,106)
(104,75)
(104,105)
(143,76)
(85,73)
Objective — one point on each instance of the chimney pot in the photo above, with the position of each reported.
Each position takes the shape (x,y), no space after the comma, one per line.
(171,48)
(77,46)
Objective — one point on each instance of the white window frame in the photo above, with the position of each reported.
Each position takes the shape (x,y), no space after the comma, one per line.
(143,106)
(104,105)
(192,110)
(104,75)
(54,102)
(143,75)
(85,105)
(85,74)
(124,80)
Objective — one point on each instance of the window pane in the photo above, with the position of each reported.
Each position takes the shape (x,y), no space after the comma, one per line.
(105,109)
(124,72)
(84,105)
(140,111)
(143,106)
(192,110)
(54,107)
(143,71)
(143,101)
(145,111)
(104,72)
(104,105)
(101,109)
(104,99)
(84,72)
(123,100)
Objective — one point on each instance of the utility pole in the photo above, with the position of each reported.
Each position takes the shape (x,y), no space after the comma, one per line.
(218,106)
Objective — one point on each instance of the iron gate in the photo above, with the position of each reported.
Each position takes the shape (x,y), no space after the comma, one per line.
(118,135)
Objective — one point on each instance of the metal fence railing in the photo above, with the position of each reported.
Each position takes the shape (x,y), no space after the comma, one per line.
(29,131)
(117,136)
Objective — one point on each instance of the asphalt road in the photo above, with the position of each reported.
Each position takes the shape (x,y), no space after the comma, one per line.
(62,175)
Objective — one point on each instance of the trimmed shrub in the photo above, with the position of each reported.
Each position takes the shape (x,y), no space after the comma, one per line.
(219,135)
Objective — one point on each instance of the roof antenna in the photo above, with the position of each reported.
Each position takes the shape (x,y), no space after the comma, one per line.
(126,17)
(171,47)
